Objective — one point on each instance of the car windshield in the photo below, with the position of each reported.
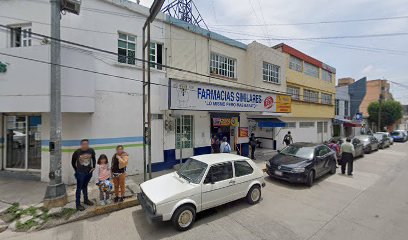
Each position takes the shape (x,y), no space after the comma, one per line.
(298,151)
(192,170)
(363,138)
(395,133)
(378,135)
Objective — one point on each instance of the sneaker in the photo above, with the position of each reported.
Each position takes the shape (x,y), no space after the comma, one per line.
(80,208)
(102,203)
(116,199)
(121,199)
(89,203)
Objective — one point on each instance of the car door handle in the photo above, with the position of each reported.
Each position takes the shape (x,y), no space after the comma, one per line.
(232,182)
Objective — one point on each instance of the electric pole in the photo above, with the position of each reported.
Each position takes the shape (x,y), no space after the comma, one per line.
(56,193)
(380,98)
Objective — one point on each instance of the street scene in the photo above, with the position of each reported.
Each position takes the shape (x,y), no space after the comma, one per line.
(190,119)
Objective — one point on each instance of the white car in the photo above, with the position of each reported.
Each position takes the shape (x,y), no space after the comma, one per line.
(203,182)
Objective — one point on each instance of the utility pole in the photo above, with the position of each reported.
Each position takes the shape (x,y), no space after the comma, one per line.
(56,192)
(380,98)
(147,125)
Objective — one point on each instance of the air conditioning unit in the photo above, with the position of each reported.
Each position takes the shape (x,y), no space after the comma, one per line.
(72,6)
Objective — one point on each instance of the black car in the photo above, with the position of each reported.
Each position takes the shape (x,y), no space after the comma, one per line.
(302,163)
(370,143)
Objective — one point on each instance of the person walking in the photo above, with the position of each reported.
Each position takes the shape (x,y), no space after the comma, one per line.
(119,163)
(83,161)
(225,147)
(215,144)
(252,143)
(335,147)
(347,157)
(287,139)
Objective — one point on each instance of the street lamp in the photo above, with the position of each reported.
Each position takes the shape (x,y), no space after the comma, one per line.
(147,126)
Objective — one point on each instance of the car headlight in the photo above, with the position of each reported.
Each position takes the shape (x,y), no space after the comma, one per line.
(298,170)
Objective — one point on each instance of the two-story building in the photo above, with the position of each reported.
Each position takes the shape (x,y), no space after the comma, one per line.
(311,84)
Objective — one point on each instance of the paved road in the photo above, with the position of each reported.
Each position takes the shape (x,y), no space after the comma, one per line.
(371,205)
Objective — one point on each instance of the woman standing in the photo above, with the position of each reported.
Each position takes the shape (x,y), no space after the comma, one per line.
(119,163)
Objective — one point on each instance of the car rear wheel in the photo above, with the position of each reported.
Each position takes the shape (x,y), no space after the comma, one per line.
(333,167)
(310,178)
(184,217)
(254,195)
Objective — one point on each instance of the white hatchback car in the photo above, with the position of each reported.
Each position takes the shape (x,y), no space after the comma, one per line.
(202,182)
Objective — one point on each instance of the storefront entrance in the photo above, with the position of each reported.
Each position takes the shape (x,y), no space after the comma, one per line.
(225,127)
(22,143)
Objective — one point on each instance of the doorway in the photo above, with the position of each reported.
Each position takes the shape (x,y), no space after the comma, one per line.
(22,143)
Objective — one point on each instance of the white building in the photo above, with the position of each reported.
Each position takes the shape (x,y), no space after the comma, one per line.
(102,92)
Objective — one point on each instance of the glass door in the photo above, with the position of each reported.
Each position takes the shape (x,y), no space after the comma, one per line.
(23,142)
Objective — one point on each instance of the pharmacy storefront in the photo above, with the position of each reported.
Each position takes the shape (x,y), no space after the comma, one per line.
(210,110)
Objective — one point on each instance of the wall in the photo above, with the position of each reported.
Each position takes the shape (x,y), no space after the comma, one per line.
(342,94)
(357,92)
(373,94)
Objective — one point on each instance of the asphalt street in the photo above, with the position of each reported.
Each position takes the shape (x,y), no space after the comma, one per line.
(373,204)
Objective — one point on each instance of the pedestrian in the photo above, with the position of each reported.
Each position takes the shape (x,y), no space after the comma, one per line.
(335,147)
(83,162)
(102,177)
(225,147)
(119,162)
(347,157)
(252,144)
(287,139)
(215,144)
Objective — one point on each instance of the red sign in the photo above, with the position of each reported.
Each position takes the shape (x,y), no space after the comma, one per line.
(268,102)
(243,132)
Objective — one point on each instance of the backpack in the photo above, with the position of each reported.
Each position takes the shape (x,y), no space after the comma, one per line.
(227,149)
(286,138)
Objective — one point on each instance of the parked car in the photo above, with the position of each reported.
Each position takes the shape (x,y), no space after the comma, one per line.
(383,140)
(302,163)
(370,143)
(399,136)
(357,143)
(202,182)
(389,137)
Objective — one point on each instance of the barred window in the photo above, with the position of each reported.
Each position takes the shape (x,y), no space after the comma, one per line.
(310,96)
(271,72)
(306,124)
(326,98)
(311,70)
(337,107)
(290,125)
(295,64)
(294,92)
(223,66)
(184,132)
(126,48)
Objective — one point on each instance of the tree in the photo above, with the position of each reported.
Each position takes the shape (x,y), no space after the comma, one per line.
(391,112)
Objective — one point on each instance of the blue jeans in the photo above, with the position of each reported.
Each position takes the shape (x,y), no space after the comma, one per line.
(82,185)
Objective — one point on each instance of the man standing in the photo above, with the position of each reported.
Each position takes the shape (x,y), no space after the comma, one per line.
(83,162)
(287,139)
(252,143)
(225,147)
(347,157)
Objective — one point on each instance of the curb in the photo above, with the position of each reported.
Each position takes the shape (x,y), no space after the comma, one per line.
(93,212)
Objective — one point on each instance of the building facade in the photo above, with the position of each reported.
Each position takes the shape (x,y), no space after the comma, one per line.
(214,86)
(311,84)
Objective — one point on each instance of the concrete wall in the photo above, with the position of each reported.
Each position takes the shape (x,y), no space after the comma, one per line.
(357,92)
(342,95)
(373,94)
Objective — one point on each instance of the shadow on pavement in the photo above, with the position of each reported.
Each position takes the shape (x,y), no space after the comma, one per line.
(294,186)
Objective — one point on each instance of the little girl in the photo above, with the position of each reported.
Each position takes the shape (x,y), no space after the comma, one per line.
(103,173)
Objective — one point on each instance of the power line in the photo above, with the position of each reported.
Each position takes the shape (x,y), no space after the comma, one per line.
(315,23)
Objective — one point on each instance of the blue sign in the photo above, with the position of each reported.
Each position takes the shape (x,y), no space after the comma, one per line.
(359,117)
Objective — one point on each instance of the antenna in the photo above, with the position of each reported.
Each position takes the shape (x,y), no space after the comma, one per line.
(186,11)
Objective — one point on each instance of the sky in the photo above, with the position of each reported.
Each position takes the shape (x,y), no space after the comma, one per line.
(372,57)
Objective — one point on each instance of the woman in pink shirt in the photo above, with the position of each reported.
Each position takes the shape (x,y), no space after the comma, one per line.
(103,174)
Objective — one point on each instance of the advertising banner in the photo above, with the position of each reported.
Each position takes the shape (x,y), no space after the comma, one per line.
(185,95)
(243,132)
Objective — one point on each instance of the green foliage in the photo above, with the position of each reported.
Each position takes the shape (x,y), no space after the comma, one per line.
(27,225)
(391,112)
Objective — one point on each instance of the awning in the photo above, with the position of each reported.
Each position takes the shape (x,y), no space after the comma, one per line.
(346,122)
(352,124)
(268,122)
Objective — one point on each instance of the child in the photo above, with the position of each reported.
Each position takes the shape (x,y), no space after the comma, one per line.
(119,163)
(103,173)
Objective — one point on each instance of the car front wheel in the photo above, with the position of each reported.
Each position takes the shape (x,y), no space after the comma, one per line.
(184,217)
(310,178)
(254,195)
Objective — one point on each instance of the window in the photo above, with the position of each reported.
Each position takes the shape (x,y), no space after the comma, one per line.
(319,127)
(290,125)
(322,150)
(221,65)
(306,124)
(326,75)
(184,132)
(219,172)
(326,98)
(346,108)
(242,168)
(126,48)
(311,70)
(192,170)
(325,127)
(271,72)
(21,36)
(294,92)
(156,55)
(310,96)
(336,107)
(295,64)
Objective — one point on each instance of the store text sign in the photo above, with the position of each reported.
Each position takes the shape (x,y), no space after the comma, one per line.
(186,95)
